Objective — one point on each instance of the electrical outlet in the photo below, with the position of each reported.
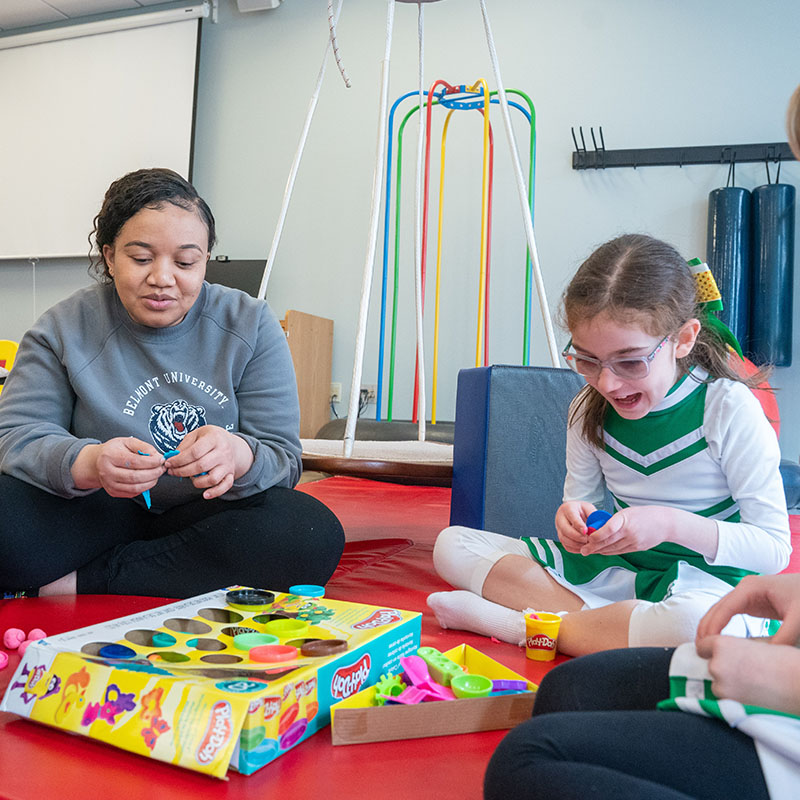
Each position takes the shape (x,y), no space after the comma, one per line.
(336,393)
(372,392)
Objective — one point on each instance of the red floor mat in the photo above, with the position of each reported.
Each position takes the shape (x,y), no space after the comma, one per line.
(378,510)
(390,531)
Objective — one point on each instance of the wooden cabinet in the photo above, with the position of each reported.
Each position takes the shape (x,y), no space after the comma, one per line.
(310,341)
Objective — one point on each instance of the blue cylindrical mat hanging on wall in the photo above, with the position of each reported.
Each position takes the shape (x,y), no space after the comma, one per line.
(728,255)
(770,339)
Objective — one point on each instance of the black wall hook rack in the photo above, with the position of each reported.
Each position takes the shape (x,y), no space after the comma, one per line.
(600,158)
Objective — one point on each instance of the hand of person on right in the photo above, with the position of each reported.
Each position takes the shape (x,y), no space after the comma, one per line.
(753,672)
(772,596)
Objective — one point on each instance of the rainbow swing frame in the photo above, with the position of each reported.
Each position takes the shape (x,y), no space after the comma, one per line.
(458,97)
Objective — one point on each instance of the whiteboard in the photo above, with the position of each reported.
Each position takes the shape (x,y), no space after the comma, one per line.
(77,114)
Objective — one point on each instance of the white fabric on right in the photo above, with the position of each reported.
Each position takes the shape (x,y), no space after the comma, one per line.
(673,621)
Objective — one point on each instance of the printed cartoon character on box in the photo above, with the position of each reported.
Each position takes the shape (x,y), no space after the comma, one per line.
(114,703)
(75,687)
(32,679)
(150,712)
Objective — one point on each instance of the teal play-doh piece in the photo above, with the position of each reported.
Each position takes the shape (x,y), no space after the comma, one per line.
(471,685)
(307,590)
(247,641)
(161,639)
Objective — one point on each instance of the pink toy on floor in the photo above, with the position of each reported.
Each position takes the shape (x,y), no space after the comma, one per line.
(13,638)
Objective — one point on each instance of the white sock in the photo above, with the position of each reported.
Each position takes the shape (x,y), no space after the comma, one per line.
(467,611)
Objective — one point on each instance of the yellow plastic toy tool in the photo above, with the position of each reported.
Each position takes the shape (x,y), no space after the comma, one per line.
(8,354)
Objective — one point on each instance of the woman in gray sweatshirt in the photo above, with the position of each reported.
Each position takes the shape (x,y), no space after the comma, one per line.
(149,431)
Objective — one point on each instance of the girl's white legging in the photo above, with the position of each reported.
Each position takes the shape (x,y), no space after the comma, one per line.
(465,556)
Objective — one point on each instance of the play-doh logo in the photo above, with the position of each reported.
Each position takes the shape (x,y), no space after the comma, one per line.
(349,680)
(37,673)
(272,705)
(304,688)
(383,616)
(218,733)
(540,642)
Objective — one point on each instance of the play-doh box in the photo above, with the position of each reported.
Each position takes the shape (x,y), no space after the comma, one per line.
(233,678)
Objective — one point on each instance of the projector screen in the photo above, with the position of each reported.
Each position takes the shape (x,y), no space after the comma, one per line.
(79,113)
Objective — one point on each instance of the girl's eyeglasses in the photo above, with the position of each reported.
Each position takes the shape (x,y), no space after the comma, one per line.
(630,368)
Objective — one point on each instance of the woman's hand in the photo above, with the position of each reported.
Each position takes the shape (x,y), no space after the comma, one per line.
(571,524)
(124,467)
(753,671)
(772,596)
(213,458)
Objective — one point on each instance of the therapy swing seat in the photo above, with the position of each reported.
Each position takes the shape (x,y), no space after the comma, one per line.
(384,450)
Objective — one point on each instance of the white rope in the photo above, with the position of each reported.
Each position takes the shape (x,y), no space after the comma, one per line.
(369,261)
(418,289)
(287,194)
(522,192)
(332,29)
(33,261)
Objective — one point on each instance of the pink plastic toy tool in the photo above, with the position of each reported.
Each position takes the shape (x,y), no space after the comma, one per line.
(416,671)
(412,695)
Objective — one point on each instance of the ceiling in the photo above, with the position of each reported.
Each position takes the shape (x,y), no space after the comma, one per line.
(26,13)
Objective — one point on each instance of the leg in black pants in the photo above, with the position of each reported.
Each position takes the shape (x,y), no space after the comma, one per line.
(270,540)
(595,733)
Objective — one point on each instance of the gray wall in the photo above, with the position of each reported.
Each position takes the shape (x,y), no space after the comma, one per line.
(651,73)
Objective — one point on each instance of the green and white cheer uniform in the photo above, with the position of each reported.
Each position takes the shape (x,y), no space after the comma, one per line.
(776,735)
(706,448)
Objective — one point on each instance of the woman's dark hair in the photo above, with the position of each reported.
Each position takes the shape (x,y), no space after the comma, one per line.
(636,279)
(145,188)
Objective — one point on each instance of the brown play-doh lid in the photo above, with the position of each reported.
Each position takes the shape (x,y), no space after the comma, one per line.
(323,647)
